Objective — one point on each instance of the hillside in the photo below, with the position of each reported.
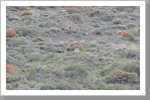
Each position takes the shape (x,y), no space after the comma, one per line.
(73,48)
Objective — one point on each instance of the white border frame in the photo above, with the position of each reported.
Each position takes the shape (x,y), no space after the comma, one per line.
(140,92)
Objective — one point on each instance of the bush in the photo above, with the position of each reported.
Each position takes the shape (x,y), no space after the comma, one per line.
(18,41)
(20,8)
(35,57)
(24,31)
(13,61)
(134,32)
(9,86)
(105,70)
(11,33)
(19,57)
(113,87)
(130,66)
(128,38)
(50,49)
(11,74)
(97,31)
(41,7)
(73,10)
(51,85)
(123,77)
(75,16)
(75,70)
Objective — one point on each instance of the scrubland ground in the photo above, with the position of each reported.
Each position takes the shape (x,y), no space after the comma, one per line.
(44,59)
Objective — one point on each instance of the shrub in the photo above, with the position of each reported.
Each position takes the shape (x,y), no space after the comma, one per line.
(73,10)
(134,32)
(130,66)
(105,70)
(128,36)
(123,77)
(101,14)
(41,7)
(74,47)
(70,31)
(9,86)
(13,61)
(120,54)
(11,33)
(10,69)
(32,84)
(97,31)
(51,85)
(20,8)
(35,57)
(26,13)
(18,41)
(75,70)
(50,49)
(24,31)
(19,57)
(11,74)
(75,16)
(120,8)
(113,87)
(117,21)
(92,12)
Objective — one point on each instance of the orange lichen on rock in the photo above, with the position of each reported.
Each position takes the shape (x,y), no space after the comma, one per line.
(26,13)
(11,33)
(73,10)
(10,69)
(78,46)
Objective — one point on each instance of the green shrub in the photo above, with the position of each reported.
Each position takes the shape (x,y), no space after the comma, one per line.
(70,31)
(19,57)
(108,32)
(50,49)
(51,85)
(76,70)
(24,31)
(20,8)
(12,77)
(105,70)
(15,62)
(18,41)
(135,32)
(120,54)
(130,66)
(113,87)
(97,31)
(35,57)
(75,16)
(128,38)
(32,84)
(9,86)
(41,7)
